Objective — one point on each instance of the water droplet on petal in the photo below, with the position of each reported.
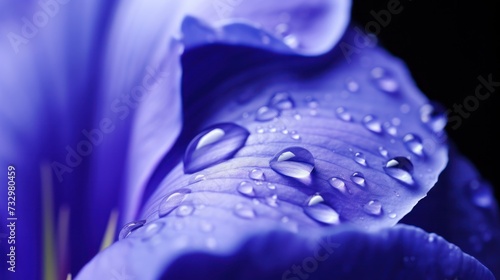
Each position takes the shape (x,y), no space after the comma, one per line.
(244,211)
(400,168)
(358,178)
(384,80)
(392,215)
(197,178)
(292,41)
(414,144)
(312,103)
(433,117)
(322,213)
(265,114)
(257,174)
(151,230)
(169,203)
(315,199)
(293,162)
(129,228)
(281,101)
(390,129)
(383,151)
(372,124)
(294,135)
(360,159)
(185,210)
(352,86)
(271,186)
(272,200)
(338,184)
(246,189)
(481,194)
(373,207)
(206,226)
(343,114)
(214,145)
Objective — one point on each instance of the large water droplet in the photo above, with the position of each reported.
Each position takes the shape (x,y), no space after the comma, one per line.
(293,162)
(214,145)
(246,189)
(244,211)
(400,168)
(358,178)
(373,207)
(360,159)
(257,174)
(338,184)
(322,213)
(434,117)
(169,203)
(384,80)
(481,194)
(414,144)
(129,228)
(343,114)
(265,114)
(371,123)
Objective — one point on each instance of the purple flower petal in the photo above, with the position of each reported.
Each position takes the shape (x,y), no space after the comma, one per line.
(462,208)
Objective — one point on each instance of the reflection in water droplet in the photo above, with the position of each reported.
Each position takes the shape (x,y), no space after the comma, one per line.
(373,207)
(358,178)
(244,211)
(338,184)
(257,174)
(414,144)
(281,101)
(384,80)
(481,194)
(265,114)
(129,228)
(246,189)
(400,168)
(343,114)
(360,159)
(214,145)
(293,162)
(169,203)
(372,124)
(322,213)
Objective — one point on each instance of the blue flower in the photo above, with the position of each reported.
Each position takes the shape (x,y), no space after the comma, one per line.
(235,139)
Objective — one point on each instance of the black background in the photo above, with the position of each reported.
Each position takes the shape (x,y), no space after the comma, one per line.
(447,45)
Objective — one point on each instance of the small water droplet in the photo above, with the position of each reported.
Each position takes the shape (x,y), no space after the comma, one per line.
(214,145)
(312,103)
(373,207)
(292,41)
(358,178)
(352,85)
(338,184)
(260,130)
(295,136)
(392,215)
(431,237)
(434,117)
(184,210)
(246,189)
(128,228)
(169,203)
(271,186)
(265,114)
(414,144)
(384,80)
(151,230)
(206,226)
(244,211)
(272,200)
(293,162)
(197,178)
(322,213)
(360,159)
(481,194)
(281,101)
(257,174)
(390,129)
(371,123)
(297,116)
(383,151)
(284,131)
(400,168)
(343,114)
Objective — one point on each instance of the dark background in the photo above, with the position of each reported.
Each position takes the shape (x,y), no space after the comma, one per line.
(447,45)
